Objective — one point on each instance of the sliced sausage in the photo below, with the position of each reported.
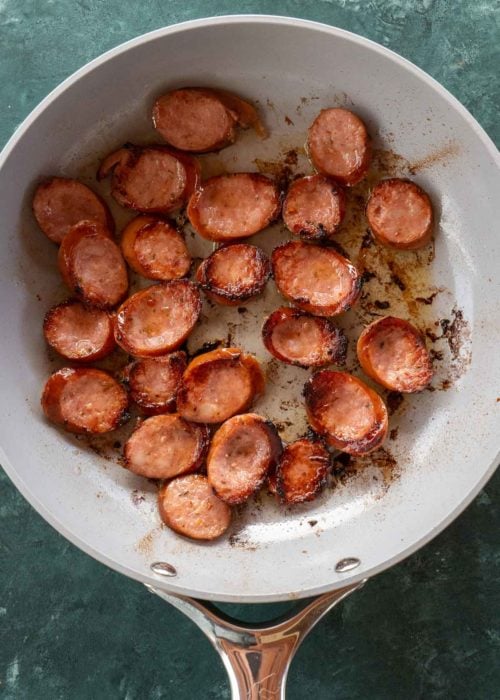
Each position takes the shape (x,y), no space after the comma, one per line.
(154,381)
(155,249)
(150,179)
(92,266)
(243,450)
(298,338)
(316,279)
(189,506)
(399,214)
(60,203)
(84,400)
(339,145)
(346,412)
(219,384)
(234,274)
(79,332)
(158,319)
(228,207)
(314,207)
(392,352)
(301,471)
(164,447)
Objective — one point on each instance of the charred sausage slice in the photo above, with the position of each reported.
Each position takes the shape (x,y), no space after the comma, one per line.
(60,203)
(158,319)
(314,207)
(219,384)
(298,338)
(228,207)
(316,279)
(399,214)
(84,400)
(233,274)
(339,145)
(154,381)
(393,353)
(189,506)
(301,471)
(79,332)
(346,412)
(155,249)
(243,450)
(164,447)
(92,266)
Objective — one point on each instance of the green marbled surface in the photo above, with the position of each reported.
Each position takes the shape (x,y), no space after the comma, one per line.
(70,629)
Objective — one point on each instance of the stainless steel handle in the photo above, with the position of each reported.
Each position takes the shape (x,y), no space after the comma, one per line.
(257,658)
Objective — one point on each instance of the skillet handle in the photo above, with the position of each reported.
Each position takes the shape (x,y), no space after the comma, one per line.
(257,658)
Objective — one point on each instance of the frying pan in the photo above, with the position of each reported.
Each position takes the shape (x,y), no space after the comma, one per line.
(447,439)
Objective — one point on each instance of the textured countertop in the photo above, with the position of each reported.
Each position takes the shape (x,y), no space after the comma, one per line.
(71,629)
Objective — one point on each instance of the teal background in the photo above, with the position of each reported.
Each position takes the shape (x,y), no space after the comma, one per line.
(71,629)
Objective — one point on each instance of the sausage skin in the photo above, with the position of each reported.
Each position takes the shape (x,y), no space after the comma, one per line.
(189,506)
(158,319)
(314,207)
(79,332)
(153,382)
(84,400)
(392,352)
(316,279)
(297,338)
(301,471)
(243,450)
(346,412)
(234,274)
(399,214)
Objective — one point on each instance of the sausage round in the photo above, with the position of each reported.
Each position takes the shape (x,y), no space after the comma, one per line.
(60,203)
(345,411)
(84,400)
(158,319)
(234,274)
(189,506)
(314,207)
(339,145)
(243,450)
(219,384)
(164,447)
(399,214)
(316,279)
(153,382)
(298,338)
(155,249)
(79,332)
(392,352)
(228,207)
(150,179)
(301,471)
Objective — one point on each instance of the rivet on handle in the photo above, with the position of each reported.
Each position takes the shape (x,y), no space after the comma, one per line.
(163,568)
(347,564)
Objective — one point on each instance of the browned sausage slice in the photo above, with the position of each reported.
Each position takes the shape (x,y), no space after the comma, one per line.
(60,203)
(189,506)
(158,319)
(345,411)
(154,381)
(243,450)
(155,249)
(399,214)
(316,279)
(151,179)
(84,400)
(393,353)
(228,207)
(233,274)
(314,207)
(298,338)
(219,384)
(166,446)
(301,471)
(79,332)
(339,145)
(92,266)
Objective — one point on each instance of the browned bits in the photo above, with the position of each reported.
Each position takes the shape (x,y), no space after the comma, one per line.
(234,274)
